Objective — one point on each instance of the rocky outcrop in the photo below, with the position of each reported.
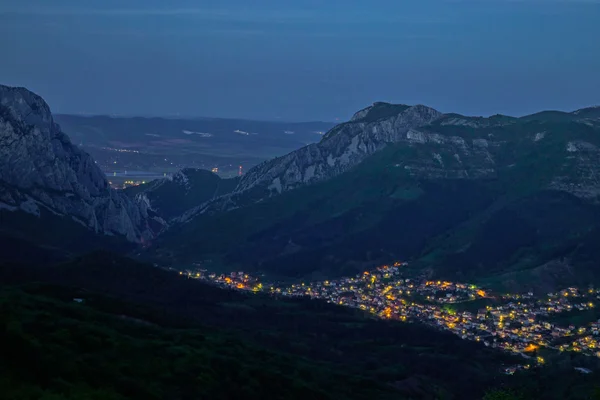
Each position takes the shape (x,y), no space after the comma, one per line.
(174,195)
(40,167)
(437,146)
(579,173)
(342,148)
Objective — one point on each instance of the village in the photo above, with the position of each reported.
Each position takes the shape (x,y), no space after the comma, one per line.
(516,323)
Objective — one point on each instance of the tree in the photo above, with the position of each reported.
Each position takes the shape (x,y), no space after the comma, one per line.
(502,395)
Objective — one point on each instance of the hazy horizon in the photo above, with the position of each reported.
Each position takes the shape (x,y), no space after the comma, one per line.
(303,62)
(200,117)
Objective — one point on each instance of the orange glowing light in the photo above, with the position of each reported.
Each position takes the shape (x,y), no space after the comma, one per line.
(530,348)
(481,293)
(387,313)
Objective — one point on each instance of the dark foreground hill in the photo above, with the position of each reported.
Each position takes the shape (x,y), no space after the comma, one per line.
(140,332)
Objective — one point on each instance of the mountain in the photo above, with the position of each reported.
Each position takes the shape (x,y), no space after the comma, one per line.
(343,147)
(589,115)
(49,187)
(172,196)
(513,201)
(510,202)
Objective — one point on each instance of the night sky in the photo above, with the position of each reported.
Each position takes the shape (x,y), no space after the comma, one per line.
(302,59)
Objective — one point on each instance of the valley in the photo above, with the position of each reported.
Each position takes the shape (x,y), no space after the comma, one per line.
(302,200)
(497,219)
(464,199)
(514,323)
(160,146)
(142,310)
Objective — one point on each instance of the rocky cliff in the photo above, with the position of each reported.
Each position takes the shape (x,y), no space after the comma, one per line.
(343,147)
(172,196)
(449,146)
(41,168)
(438,146)
(467,197)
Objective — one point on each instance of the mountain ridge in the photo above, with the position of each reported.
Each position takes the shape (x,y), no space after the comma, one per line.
(342,223)
(41,168)
(341,148)
(316,162)
(337,206)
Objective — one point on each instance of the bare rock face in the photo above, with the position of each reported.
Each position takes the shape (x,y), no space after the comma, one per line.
(342,148)
(580,171)
(40,167)
(438,146)
(345,146)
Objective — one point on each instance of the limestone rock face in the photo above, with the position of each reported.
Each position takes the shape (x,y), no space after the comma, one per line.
(437,146)
(345,146)
(40,167)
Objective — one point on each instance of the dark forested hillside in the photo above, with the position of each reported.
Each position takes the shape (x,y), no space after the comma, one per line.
(171,197)
(136,331)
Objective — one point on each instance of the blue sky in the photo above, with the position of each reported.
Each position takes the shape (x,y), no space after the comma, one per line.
(302,59)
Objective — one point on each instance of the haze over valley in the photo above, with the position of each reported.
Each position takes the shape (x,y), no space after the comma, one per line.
(133,150)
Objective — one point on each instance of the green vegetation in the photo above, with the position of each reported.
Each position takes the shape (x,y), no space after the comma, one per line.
(141,332)
(505,229)
(379,110)
(187,189)
(475,305)
(56,350)
(23,240)
(331,228)
(152,332)
(382,110)
(577,318)
(502,395)
(551,116)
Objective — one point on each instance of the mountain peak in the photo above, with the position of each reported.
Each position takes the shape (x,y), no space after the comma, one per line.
(588,112)
(23,106)
(344,146)
(378,110)
(41,169)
